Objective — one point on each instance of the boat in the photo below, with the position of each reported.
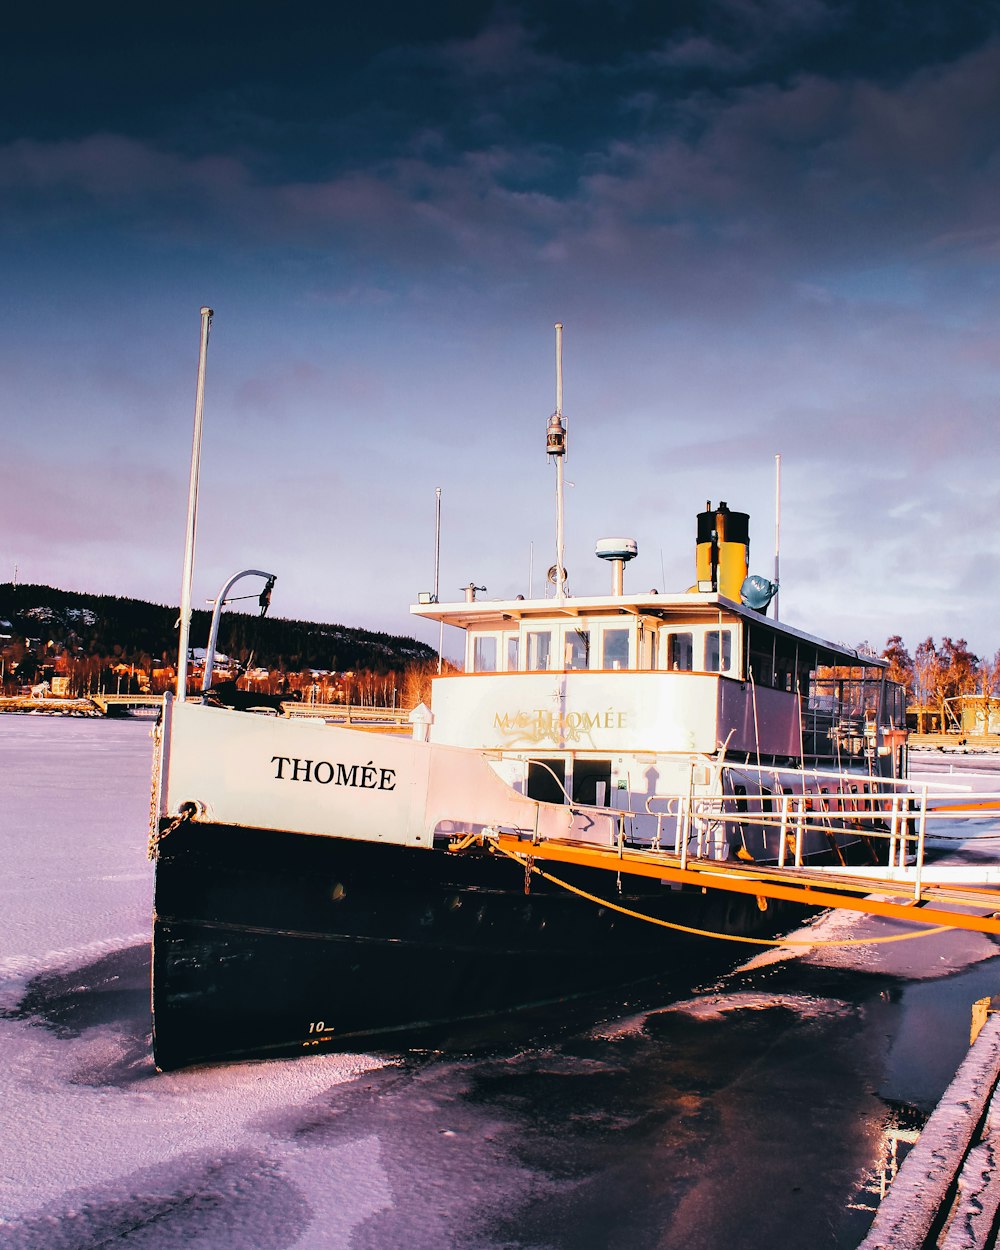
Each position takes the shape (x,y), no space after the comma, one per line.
(319,885)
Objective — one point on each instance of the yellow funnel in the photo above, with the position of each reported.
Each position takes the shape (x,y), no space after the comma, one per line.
(722,557)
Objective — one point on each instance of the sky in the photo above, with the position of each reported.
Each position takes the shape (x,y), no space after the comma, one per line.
(768,227)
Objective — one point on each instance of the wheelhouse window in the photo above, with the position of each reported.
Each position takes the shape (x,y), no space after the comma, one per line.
(614,645)
(680,652)
(718,651)
(576,650)
(513,653)
(539,649)
(484,653)
(646,648)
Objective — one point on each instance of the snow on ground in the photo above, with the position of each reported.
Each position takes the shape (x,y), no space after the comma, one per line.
(651,1131)
(97,1146)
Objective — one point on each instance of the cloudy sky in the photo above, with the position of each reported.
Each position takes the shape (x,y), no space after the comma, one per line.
(767,225)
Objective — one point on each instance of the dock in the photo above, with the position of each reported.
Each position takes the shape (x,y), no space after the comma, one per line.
(946,1193)
(357,716)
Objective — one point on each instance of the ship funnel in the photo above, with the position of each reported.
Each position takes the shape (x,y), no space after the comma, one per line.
(723,553)
(619,551)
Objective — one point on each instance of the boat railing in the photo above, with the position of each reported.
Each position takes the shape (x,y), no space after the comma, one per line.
(897,819)
(846,715)
(900,815)
(797,811)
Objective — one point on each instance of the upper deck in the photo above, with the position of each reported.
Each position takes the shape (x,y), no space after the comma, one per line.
(654,672)
(695,632)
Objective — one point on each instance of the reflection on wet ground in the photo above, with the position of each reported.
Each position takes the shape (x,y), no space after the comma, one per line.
(749,1113)
(112,989)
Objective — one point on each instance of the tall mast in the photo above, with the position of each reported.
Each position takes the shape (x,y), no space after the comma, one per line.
(437,569)
(192,512)
(777,526)
(555,446)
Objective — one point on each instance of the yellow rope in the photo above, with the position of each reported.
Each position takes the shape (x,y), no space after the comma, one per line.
(709,933)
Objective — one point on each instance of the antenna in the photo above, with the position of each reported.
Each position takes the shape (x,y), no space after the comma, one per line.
(437,567)
(555,446)
(777,526)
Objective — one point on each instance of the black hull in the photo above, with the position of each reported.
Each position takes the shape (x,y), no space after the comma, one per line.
(271,943)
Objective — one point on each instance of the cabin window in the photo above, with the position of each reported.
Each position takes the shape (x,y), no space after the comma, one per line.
(576,652)
(680,652)
(539,649)
(762,658)
(805,666)
(718,651)
(512,653)
(615,644)
(484,653)
(784,664)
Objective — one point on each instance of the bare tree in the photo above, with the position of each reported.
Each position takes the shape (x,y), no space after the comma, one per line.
(900,664)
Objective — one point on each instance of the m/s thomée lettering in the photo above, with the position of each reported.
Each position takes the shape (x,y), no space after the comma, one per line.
(547,721)
(363,776)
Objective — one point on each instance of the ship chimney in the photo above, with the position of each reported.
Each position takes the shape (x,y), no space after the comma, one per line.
(722,557)
(619,551)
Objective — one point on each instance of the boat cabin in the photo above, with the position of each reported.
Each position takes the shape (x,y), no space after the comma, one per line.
(690,673)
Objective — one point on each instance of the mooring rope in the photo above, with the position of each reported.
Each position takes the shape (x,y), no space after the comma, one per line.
(526,860)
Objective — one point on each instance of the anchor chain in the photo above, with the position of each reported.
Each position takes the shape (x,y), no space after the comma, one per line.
(156,836)
(529,867)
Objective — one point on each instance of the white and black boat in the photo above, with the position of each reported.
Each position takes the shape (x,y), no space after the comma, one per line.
(319,885)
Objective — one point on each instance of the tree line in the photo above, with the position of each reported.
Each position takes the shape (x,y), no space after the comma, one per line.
(936,673)
(114,643)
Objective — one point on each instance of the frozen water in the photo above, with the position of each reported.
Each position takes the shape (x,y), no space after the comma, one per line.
(750,1114)
(96,1147)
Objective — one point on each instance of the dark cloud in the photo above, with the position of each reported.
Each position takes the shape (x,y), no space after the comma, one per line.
(814,171)
(769,224)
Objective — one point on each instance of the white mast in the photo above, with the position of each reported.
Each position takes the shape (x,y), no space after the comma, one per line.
(777,526)
(437,568)
(192,513)
(555,445)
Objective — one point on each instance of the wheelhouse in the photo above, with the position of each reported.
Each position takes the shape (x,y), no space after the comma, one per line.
(683,673)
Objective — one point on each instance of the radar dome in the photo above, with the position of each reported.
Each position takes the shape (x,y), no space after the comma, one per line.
(616,548)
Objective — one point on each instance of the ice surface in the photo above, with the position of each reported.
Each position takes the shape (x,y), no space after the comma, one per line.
(96,1146)
(662,1129)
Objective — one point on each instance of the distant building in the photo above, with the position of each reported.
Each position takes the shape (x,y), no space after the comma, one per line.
(976,714)
(925,718)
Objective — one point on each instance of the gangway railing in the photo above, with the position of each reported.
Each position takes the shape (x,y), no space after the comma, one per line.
(903,815)
(902,819)
(896,812)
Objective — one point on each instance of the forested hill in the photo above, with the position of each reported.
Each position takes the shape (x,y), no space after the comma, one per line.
(131,629)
